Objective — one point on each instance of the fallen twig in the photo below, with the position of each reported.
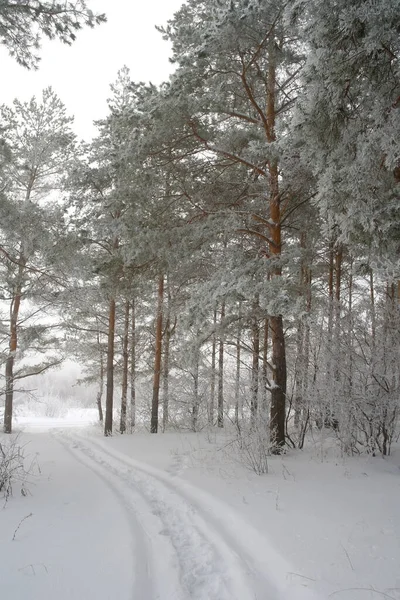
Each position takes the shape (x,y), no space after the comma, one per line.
(20,523)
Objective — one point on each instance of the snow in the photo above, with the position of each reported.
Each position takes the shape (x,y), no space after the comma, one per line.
(175,517)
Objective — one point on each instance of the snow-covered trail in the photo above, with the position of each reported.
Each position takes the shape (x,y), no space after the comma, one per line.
(185,558)
(189,546)
(72,537)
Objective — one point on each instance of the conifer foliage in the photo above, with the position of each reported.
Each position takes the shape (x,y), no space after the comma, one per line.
(236,229)
(23,23)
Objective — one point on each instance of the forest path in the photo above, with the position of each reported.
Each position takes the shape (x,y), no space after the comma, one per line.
(183,555)
(191,546)
(73,536)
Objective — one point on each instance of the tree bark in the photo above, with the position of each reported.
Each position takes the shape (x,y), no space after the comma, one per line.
(213,372)
(167,341)
(336,408)
(324,407)
(196,399)
(255,363)
(278,393)
(133,367)
(238,369)
(125,363)
(220,417)
(373,313)
(157,357)
(108,424)
(298,378)
(101,385)
(300,372)
(264,400)
(13,344)
(8,409)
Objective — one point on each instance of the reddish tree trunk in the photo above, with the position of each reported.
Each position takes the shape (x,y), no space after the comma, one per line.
(265,370)
(278,392)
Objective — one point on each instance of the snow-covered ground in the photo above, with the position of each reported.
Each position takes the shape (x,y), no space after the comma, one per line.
(175,517)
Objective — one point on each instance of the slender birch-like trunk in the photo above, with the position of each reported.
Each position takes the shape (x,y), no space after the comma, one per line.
(125,365)
(238,369)
(220,417)
(211,409)
(157,357)
(108,423)
(196,399)
(99,396)
(255,363)
(133,367)
(165,370)
(264,399)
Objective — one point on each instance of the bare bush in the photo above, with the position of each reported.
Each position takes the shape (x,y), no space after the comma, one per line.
(252,443)
(13,470)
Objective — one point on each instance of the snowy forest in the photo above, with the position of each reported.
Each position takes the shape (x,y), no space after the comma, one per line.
(219,264)
(225,251)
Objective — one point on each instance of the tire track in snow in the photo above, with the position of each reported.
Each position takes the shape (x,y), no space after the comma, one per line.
(265,573)
(208,568)
(146,562)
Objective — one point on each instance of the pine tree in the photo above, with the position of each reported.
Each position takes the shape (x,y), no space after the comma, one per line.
(23,24)
(40,143)
(235,84)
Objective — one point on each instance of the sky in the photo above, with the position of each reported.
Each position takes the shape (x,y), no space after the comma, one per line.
(82,73)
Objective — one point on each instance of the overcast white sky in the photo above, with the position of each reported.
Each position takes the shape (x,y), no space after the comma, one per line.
(81,73)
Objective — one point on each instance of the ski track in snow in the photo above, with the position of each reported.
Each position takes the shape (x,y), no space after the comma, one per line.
(188,545)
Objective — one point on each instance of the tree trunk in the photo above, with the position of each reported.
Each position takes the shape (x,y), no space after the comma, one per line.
(238,369)
(373,314)
(305,409)
(300,372)
(8,409)
(220,418)
(278,393)
(167,340)
(133,367)
(324,407)
(101,386)
(264,401)
(157,357)
(213,372)
(13,344)
(255,363)
(108,425)
(125,362)
(14,312)
(335,408)
(298,378)
(196,399)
